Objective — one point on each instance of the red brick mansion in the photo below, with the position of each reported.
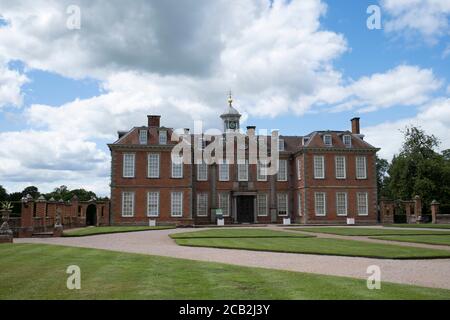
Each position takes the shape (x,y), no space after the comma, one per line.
(323,177)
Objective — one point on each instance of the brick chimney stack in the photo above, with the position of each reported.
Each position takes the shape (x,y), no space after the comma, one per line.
(355,125)
(251,130)
(153,120)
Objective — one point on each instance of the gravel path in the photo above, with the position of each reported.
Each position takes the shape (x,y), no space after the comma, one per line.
(427,273)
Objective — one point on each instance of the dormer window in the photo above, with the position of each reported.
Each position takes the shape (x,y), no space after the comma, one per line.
(327,140)
(142,136)
(163,137)
(305,140)
(280,144)
(347,140)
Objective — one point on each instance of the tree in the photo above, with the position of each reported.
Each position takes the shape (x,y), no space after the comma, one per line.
(31,190)
(382,166)
(58,193)
(446,154)
(419,169)
(3,194)
(82,195)
(15,198)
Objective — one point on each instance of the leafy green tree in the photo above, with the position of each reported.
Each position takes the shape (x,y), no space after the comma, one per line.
(58,193)
(3,194)
(82,194)
(31,190)
(15,198)
(419,169)
(382,166)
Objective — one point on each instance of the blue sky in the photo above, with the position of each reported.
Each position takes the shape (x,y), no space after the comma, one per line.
(85,76)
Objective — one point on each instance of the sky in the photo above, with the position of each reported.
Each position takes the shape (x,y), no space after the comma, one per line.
(67,85)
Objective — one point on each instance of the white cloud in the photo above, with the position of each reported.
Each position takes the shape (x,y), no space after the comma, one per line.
(434,118)
(404,85)
(51,158)
(11,83)
(429,18)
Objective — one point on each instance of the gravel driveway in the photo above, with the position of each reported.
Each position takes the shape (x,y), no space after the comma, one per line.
(427,273)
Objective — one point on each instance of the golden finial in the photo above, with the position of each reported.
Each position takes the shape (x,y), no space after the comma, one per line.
(230,98)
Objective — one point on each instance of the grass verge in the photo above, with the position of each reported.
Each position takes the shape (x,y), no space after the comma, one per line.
(323,246)
(420,225)
(238,233)
(355,231)
(31,271)
(90,231)
(427,239)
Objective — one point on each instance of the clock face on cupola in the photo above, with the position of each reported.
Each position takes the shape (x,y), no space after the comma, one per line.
(231,116)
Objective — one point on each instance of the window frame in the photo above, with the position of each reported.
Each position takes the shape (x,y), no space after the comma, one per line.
(357,169)
(258,207)
(151,215)
(205,196)
(172,204)
(124,165)
(324,204)
(358,206)
(299,204)
(285,173)
(149,155)
(281,146)
(143,140)
(202,168)
(344,169)
(221,166)
(162,133)
(132,193)
(325,136)
(348,145)
(345,204)
(259,168)
(286,197)
(220,201)
(322,164)
(173,166)
(299,169)
(239,165)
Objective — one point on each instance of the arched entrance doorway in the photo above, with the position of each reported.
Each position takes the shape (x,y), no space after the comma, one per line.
(91,215)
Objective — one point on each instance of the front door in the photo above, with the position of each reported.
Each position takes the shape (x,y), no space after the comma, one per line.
(245,210)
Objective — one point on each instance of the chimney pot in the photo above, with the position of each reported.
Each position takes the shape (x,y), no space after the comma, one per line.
(355,125)
(153,120)
(251,129)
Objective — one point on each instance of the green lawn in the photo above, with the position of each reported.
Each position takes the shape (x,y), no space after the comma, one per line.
(355,231)
(238,232)
(428,239)
(309,245)
(420,225)
(90,231)
(31,271)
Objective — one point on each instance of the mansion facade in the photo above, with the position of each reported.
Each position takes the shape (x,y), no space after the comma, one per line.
(323,177)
